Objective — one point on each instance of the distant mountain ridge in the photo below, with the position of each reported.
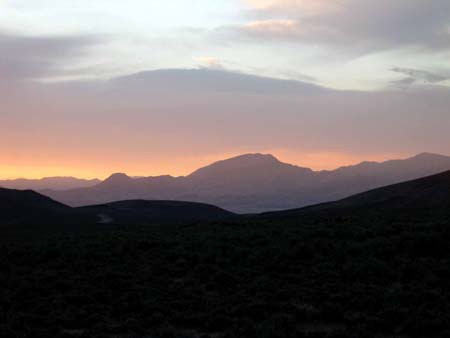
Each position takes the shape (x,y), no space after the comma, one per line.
(53,183)
(424,196)
(253,183)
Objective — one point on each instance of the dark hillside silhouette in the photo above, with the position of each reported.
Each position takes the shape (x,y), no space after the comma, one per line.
(425,195)
(146,212)
(26,207)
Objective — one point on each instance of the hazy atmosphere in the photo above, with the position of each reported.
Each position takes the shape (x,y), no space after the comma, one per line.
(146,87)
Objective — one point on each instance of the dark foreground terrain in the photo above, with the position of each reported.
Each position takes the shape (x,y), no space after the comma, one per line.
(342,271)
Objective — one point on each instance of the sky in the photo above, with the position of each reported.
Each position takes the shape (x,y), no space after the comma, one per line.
(88,88)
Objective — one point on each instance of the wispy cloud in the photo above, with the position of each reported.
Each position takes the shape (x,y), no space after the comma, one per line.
(273,28)
(209,62)
(355,25)
(26,57)
(417,76)
(421,74)
(286,6)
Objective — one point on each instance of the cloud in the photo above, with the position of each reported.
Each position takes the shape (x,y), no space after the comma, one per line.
(421,74)
(26,57)
(233,68)
(403,83)
(142,121)
(284,6)
(417,76)
(355,25)
(273,28)
(209,62)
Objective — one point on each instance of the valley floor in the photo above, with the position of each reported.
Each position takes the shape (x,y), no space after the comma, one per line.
(326,276)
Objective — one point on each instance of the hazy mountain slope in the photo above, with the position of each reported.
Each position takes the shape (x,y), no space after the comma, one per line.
(248,174)
(430,194)
(257,183)
(120,187)
(393,170)
(349,180)
(53,183)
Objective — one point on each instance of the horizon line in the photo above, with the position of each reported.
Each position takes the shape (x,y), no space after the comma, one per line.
(106,176)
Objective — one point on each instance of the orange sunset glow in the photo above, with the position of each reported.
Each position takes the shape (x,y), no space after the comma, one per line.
(178,166)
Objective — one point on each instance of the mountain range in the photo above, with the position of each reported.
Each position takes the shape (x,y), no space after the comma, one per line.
(254,183)
(53,183)
(429,195)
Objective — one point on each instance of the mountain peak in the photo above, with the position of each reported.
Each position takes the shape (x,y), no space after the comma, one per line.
(241,161)
(253,157)
(117,178)
(246,166)
(426,155)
